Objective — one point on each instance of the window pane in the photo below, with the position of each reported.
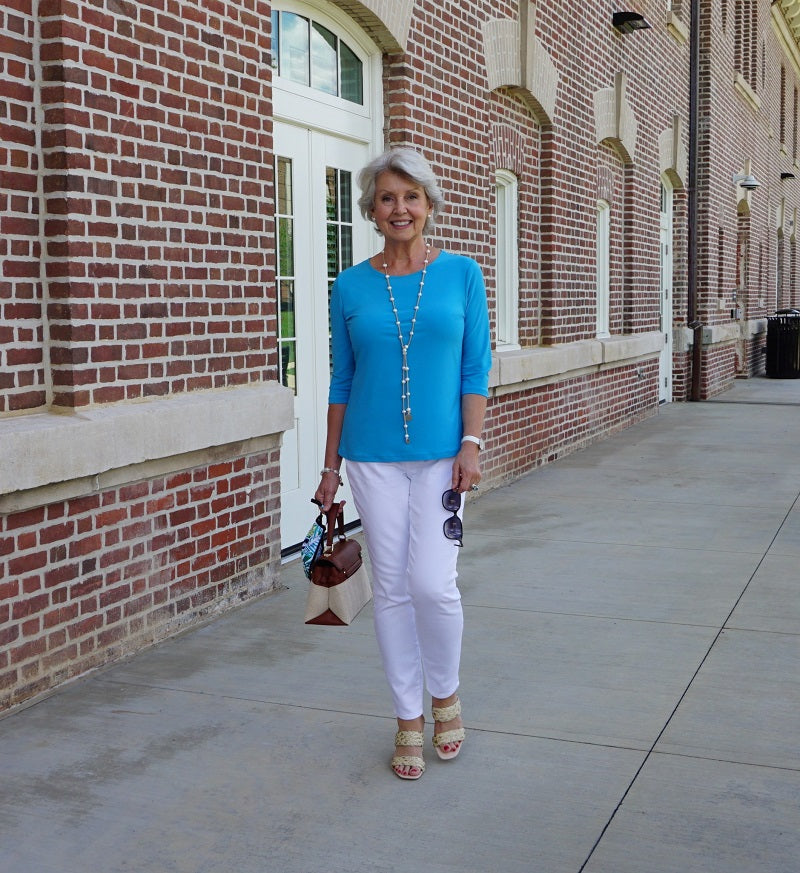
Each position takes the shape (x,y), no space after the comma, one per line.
(310,54)
(287,322)
(323,59)
(331,204)
(502,264)
(333,250)
(289,364)
(507,259)
(345,196)
(346,247)
(276,41)
(294,48)
(339,215)
(352,75)
(285,247)
(284,228)
(284,185)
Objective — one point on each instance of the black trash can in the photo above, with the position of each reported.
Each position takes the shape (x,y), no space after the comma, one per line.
(783,344)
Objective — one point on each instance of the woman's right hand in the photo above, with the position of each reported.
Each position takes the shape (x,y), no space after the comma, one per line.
(326,493)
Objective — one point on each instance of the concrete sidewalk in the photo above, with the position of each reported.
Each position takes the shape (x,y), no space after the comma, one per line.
(631,687)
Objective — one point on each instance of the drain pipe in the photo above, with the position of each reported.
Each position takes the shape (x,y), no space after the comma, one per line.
(692,319)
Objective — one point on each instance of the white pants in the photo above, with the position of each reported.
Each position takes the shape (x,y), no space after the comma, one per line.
(418,616)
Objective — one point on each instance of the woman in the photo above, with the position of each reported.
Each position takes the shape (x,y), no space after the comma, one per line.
(411,359)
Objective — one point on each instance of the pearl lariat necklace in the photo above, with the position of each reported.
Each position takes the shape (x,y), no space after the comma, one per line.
(404,344)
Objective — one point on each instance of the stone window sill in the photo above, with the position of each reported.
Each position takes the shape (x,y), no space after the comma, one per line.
(526,368)
(45,450)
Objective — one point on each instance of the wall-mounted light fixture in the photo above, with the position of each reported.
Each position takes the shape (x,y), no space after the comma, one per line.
(746,180)
(627,22)
(787,175)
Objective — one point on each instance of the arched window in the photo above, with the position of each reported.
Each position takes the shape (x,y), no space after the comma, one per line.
(309,54)
(507,259)
(603,267)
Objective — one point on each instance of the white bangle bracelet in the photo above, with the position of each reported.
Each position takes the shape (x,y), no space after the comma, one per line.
(325,470)
(468,438)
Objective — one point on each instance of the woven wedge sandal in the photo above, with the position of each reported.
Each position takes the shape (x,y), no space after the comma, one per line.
(457,735)
(408,738)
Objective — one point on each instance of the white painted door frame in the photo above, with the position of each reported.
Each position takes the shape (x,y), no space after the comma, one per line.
(315,132)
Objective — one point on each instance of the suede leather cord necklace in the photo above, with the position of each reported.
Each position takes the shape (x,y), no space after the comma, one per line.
(404,344)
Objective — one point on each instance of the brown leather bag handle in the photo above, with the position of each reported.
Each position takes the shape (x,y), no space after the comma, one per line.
(335,516)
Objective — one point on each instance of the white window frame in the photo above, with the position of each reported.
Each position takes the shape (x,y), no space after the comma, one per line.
(326,111)
(507,260)
(603,268)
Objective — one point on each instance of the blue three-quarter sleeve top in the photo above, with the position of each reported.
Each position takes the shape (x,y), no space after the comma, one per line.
(449,356)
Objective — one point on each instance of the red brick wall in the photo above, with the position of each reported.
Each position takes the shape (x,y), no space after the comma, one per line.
(22,365)
(455,131)
(529,428)
(562,171)
(137,252)
(158,196)
(89,580)
(682,376)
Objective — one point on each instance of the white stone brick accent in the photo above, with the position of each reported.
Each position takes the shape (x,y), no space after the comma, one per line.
(615,120)
(394,17)
(501,42)
(518,60)
(541,79)
(672,155)
(42,449)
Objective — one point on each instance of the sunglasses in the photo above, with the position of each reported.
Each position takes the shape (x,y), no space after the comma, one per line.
(452,527)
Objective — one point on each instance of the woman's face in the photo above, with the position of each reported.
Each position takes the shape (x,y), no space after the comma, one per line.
(401,207)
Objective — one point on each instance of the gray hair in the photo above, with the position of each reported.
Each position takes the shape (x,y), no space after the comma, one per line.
(405,162)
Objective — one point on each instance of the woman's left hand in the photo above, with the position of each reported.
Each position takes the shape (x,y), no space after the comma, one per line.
(466,468)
